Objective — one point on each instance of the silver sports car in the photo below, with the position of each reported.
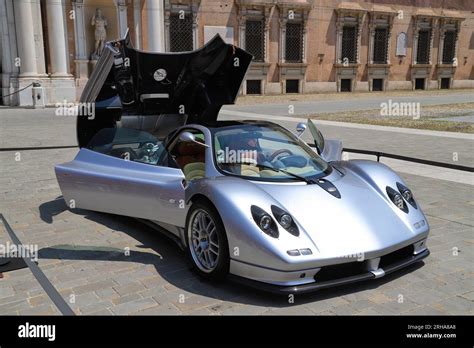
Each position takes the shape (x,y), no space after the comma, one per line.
(246,199)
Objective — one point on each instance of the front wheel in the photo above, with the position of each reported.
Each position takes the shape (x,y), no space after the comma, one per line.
(206,241)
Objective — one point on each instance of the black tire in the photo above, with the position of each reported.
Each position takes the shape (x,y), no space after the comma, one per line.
(221,265)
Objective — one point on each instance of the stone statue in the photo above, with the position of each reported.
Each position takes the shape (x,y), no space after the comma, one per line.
(100,23)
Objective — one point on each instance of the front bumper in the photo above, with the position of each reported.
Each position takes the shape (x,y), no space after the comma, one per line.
(311,287)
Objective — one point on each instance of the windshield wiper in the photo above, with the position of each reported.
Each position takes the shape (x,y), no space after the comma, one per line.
(279,170)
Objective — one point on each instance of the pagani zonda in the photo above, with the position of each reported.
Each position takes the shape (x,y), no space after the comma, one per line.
(244,198)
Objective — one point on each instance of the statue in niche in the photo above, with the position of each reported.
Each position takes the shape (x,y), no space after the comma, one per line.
(401,45)
(100,24)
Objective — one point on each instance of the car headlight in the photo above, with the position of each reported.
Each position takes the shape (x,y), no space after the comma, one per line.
(264,221)
(285,220)
(407,194)
(397,199)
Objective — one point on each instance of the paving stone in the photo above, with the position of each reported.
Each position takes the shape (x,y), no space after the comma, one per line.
(324,305)
(6,291)
(93,286)
(96,307)
(166,309)
(288,311)
(194,302)
(133,306)
(125,298)
(129,288)
(39,300)
(44,309)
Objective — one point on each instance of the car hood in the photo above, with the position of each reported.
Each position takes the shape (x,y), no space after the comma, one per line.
(362,220)
(191,85)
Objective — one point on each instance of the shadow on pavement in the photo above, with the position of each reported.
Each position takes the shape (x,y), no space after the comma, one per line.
(172,265)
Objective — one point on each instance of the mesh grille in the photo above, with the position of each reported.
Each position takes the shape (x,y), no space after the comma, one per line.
(181,33)
(423,52)
(349,44)
(380,46)
(448,47)
(254,39)
(294,43)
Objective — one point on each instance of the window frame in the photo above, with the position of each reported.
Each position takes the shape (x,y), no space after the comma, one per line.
(261,39)
(189,18)
(301,44)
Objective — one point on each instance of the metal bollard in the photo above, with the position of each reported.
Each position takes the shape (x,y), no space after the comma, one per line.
(37,95)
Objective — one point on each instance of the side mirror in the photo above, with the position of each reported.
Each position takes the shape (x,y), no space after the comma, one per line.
(300,128)
(189,137)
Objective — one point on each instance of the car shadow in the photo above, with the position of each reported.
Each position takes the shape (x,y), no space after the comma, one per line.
(172,265)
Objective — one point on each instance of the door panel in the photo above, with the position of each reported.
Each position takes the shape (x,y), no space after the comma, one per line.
(103,183)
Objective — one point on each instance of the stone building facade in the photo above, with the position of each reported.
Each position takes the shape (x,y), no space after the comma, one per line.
(299,46)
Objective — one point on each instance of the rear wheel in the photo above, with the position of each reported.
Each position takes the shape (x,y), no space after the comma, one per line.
(206,241)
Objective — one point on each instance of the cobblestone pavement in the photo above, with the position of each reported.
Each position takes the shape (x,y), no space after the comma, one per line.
(82,254)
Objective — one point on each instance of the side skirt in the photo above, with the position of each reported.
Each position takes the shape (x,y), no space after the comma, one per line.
(165,231)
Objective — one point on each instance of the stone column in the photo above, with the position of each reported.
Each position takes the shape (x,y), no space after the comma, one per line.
(57,38)
(339,29)
(389,38)
(38,35)
(194,9)
(282,40)
(137,22)
(434,27)
(241,21)
(26,38)
(372,27)
(156,28)
(122,17)
(414,52)
(360,20)
(442,33)
(9,52)
(81,58)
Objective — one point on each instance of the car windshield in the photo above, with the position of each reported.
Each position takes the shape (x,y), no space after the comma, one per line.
(265,152)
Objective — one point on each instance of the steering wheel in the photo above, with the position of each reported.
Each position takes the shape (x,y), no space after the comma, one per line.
(279,152)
